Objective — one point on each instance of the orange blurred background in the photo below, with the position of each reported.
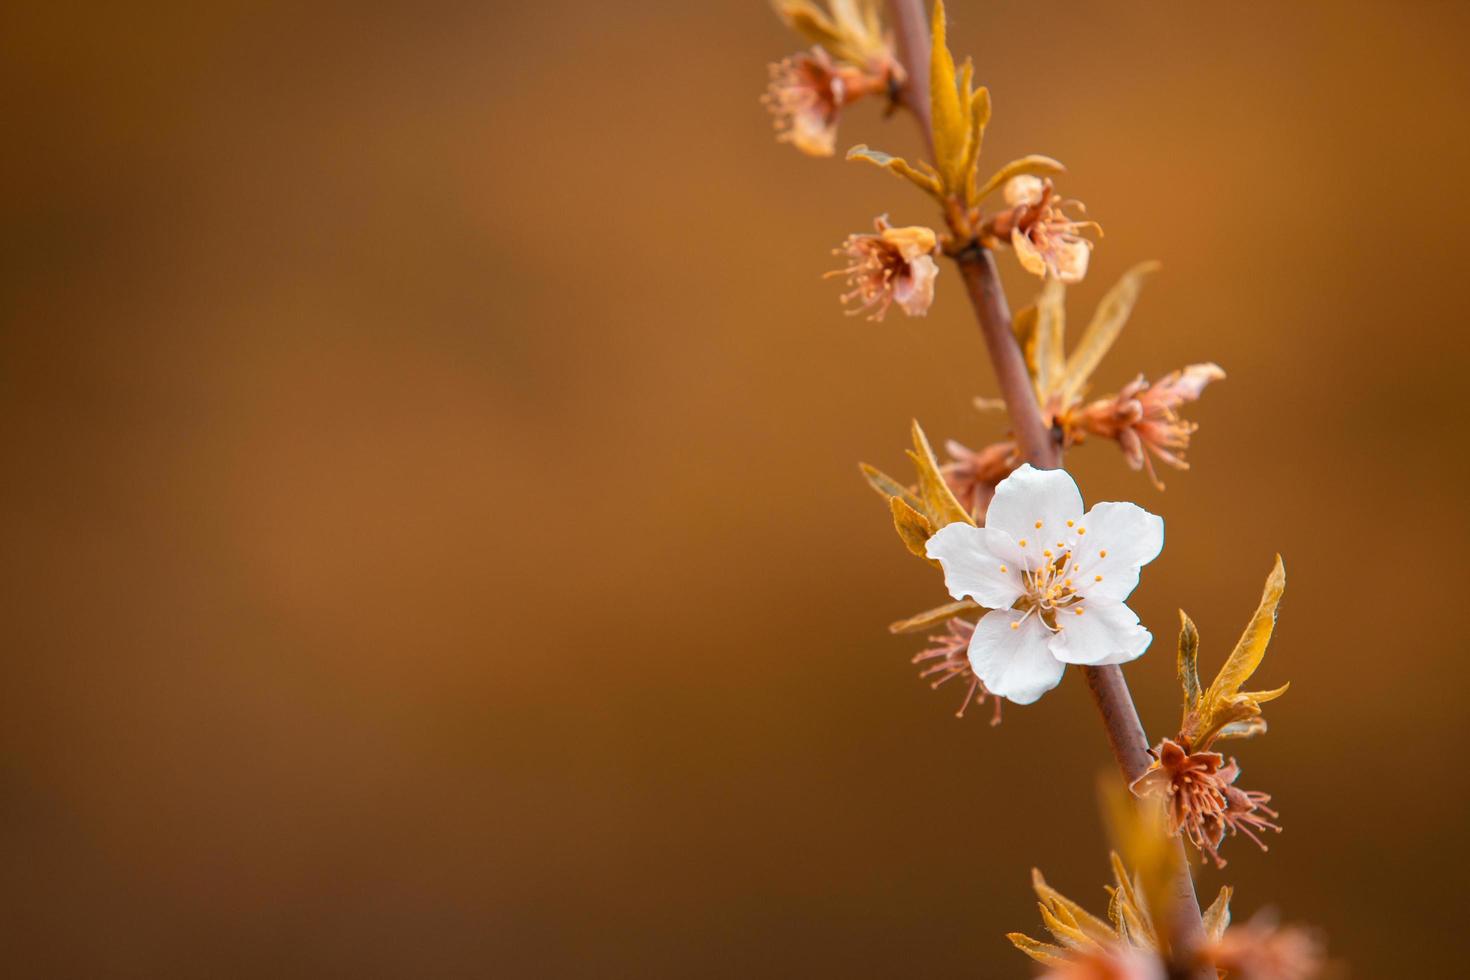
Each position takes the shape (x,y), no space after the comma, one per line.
(436,546)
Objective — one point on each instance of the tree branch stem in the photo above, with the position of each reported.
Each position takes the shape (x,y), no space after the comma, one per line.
(982,281)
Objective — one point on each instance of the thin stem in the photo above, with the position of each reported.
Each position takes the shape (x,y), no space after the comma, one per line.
(982,281)
(912,32)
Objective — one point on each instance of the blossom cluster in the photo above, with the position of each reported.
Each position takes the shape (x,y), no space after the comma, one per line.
(1037,580)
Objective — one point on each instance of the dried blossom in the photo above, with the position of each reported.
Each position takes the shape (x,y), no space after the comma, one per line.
(806,94)
(896,265)
(1144,418)
(1054,579)
(1198,788)
(1260,950)
(948,658)
(1202,800)
(852,58)
(1047,240)
(973,476)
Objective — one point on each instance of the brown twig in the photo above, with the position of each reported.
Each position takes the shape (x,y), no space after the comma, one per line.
(982,281)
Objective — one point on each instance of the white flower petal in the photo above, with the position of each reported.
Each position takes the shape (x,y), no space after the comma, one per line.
(1030,496)
(1015,664)
(1120,539)
(978,563)
(1104,633)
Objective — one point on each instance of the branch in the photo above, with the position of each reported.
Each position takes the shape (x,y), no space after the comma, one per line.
(982,281)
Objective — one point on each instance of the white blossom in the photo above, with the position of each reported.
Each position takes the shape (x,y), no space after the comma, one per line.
(1054,579)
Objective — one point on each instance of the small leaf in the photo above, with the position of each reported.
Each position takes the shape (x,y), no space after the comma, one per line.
(933,617)
(1189,661)
(1107,323)
(1251,648)
(914,528)
(1249,728)
(1041,952)
(951,127)
(940,505)
(979,119)
(1051,326)
(1217,916)
(1023,326)
(1090,924)
(897,165)
(1035,164)
(887,486)
(811,22)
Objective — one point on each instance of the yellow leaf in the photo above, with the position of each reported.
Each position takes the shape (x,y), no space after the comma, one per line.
(1051,326)
(933,617)
(810,21)
(1034,164)
(914,528)
(951,125)
(887,486)
(979,119)
(1107,323)
(940,505)
(1251,648)
(1189,661)
(1039,951)
(927,183)
(1023,326)
(1090,924)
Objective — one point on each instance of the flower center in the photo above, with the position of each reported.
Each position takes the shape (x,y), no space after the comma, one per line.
(1049,589)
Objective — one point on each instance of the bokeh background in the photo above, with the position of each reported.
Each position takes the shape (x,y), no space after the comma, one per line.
(434,542)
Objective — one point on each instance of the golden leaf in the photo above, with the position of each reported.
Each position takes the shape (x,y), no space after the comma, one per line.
(887,486)
(928,183)
(951,122)
(1107,323)
(1023,327)
(1090,924)
(914,528)
(933,617)
(1224,707)
(979,119)
(1040,952)
(1189,661)
(1051,327)
(1251,648)
(940,505)
(1034,164)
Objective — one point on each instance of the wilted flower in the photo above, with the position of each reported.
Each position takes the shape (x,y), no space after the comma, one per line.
(1047,240)
(947,659)
(852,58)
(1145,420)
(1259,950)
(807,92)
(1202,799)
(894,266)
(1194,782)
(1053,578)
(973,476)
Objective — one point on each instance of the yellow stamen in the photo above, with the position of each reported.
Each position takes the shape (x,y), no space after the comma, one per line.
(1015,626)
(1069,523)
(1038,525)
(1103,553)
